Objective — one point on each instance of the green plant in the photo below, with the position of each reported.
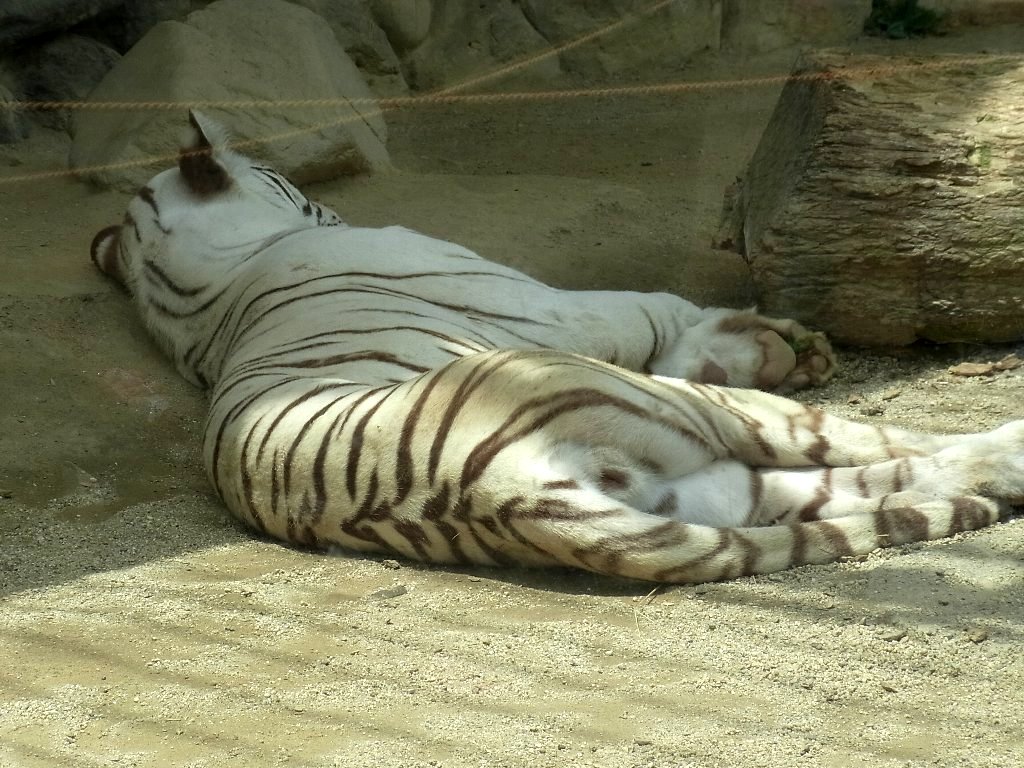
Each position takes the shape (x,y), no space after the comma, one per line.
(899,19)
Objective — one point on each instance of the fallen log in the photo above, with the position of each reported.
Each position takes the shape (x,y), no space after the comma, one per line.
(885,201)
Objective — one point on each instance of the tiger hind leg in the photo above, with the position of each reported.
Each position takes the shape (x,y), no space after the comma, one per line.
(539,457)
(989,466)
(606,508)
(615,539)
(729,492)
(765,430)
(726,519)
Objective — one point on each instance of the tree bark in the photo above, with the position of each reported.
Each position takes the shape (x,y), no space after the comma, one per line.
(885,201)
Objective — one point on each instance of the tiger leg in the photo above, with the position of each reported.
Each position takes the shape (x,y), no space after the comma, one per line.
(601,500)
(728,492)
(744,349)
(710,525)
(619,540)
(990,466)
(765,430)
(669,422)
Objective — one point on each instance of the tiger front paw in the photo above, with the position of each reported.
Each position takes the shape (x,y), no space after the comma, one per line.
(789,357)
(794,360)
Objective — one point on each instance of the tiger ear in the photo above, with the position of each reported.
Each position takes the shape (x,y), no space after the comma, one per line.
(203,173)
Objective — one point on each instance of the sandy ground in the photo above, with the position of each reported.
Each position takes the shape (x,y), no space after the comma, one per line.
(142,627)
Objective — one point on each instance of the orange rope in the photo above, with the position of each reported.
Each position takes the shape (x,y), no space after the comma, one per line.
(446,96)
(441,98)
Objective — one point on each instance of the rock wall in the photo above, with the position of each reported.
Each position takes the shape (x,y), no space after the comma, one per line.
(757,26)
(53,50)
(980,12)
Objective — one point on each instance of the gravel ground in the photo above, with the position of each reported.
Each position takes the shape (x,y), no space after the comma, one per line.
(142,627)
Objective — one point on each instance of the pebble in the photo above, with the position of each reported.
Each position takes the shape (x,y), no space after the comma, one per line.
(977,635)
(894,636)
(389,592)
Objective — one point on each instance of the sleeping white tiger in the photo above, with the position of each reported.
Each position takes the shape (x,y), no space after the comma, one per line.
(384,391)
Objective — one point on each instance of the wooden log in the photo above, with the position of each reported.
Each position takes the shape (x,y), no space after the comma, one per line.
(885,201)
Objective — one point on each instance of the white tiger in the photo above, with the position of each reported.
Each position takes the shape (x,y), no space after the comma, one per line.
(380,390)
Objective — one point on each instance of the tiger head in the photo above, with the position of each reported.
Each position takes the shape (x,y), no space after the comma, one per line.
(190,223)
(188,230)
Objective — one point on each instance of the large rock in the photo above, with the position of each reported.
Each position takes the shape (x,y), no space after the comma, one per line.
(629,33)
(406,22)
(248,50)
(22,20)
(364,41)
(12,123)
(758,26)
(125,25)
(66,68)
(469,38)
(884,209)
(976,11)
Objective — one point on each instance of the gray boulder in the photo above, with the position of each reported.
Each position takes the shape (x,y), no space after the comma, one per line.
(66,68)
(124,26)
(235,50)
(471,37)
(672,32)
(24,19)
(364,41)
(886,210)
(758,26)
(406,22)
(12,123)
